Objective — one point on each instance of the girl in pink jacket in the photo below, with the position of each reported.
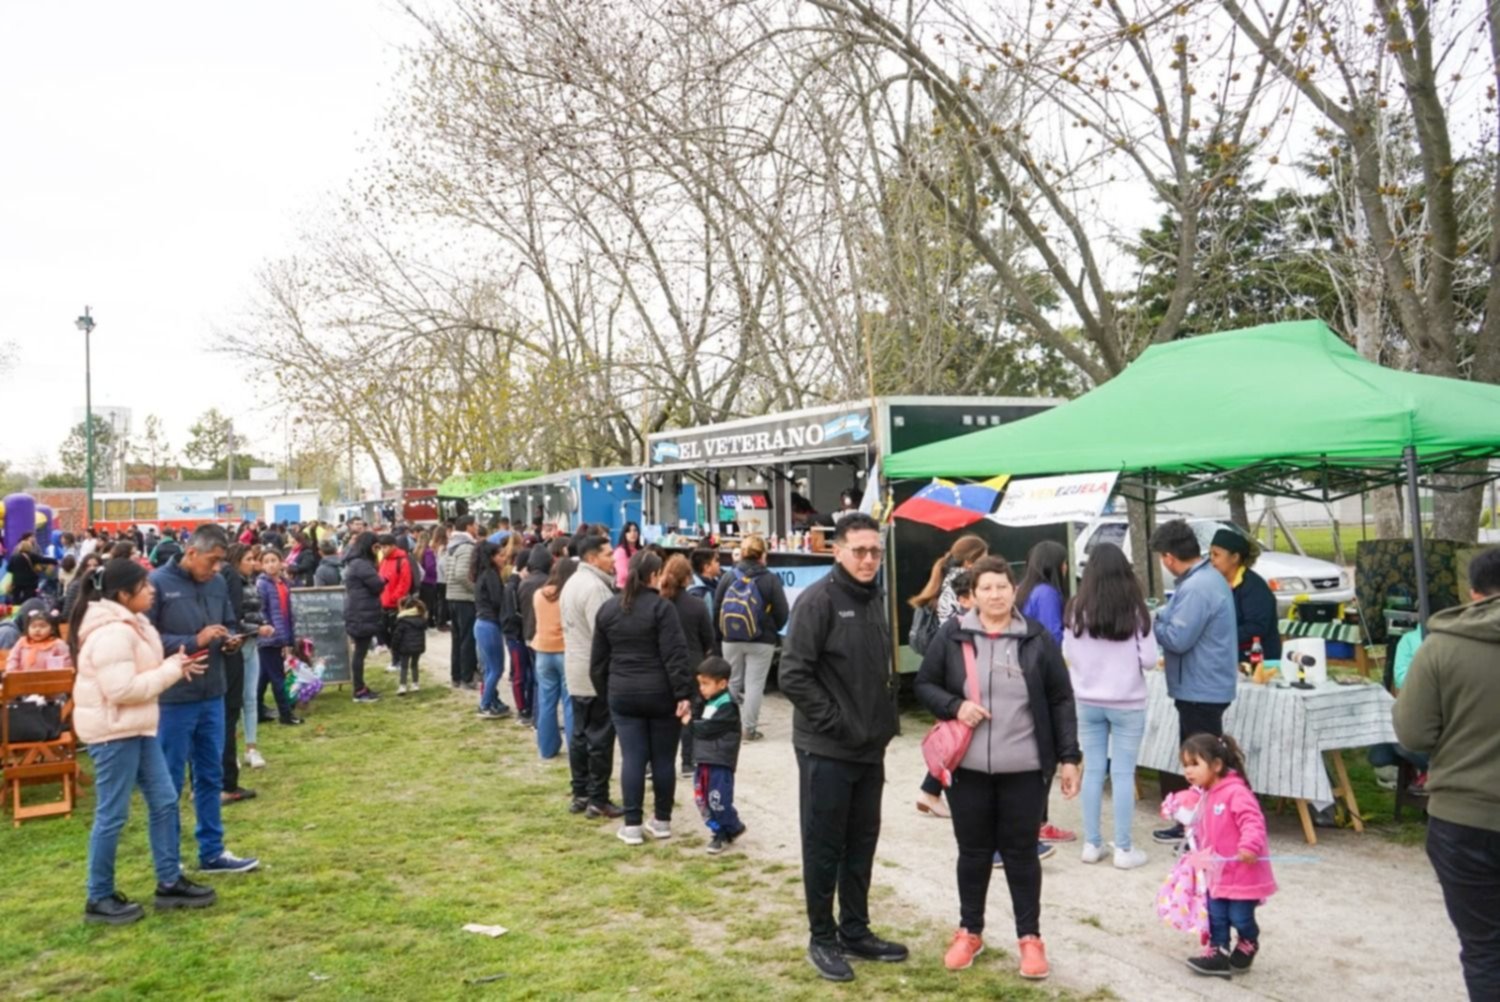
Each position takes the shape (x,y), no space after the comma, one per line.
(1229,831)
(121,671)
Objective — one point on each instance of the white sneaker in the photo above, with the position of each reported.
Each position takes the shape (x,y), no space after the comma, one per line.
(630,834)
(1129,859)
(413,687)
(400,690)
(393,668)
(1091,853)
(254,759)
(658,829)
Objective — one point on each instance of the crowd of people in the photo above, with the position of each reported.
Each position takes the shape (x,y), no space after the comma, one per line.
(607,643)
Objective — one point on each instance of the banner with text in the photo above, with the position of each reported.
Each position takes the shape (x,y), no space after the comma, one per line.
(1078,497)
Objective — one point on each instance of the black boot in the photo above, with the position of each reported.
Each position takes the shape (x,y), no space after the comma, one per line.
(116,909)
(1243,955)
(183,893)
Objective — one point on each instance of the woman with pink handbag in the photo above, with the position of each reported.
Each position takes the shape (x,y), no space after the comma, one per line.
(1003,678)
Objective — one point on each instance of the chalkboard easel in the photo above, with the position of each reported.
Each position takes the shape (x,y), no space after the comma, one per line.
(319,614)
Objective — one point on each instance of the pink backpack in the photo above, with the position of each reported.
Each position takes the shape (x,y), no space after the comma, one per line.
(946,744)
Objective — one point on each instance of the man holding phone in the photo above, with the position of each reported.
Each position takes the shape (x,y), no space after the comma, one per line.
(192,612)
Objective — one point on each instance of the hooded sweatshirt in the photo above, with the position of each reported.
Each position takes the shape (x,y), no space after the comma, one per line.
(1447,710)
(121,672)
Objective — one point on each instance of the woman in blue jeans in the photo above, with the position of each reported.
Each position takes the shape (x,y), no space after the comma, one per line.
(547,660)
(639,664)
(121,671)
(489,562)
(1108,645)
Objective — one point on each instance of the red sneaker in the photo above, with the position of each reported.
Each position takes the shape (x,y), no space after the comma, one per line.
(962,951)
(1034,958)
(1051,833)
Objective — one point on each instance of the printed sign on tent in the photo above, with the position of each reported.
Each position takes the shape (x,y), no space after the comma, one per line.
(1051,500)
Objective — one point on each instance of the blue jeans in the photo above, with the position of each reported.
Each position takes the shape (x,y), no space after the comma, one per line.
(1223,913)
(551,688)
(119,767)
(490,643)
(1389,755)
(1111,739)
(196,730)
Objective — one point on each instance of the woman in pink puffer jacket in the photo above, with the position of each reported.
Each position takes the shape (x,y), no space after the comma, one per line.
(121,671)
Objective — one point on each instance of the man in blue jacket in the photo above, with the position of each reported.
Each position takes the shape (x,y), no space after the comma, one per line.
(1198,634)
(191,610)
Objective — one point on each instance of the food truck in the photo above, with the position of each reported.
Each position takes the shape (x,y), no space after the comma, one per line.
(609,496)
(787,476)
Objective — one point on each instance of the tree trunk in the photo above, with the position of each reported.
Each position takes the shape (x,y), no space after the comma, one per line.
(1455,516)
(1390,522)
(1147,569)
(1238,511)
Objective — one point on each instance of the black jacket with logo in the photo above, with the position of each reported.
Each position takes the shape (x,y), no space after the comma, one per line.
(836,670)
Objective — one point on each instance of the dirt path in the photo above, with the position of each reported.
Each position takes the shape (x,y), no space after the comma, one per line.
(1361,917)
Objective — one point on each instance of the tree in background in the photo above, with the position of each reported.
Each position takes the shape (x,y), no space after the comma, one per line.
(208,449)
(151,448)
(74,454)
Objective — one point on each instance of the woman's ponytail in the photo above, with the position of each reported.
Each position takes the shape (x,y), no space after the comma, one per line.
(89,591)
(110,579)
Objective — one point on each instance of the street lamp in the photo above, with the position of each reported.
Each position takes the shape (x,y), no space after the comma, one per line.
(85,323)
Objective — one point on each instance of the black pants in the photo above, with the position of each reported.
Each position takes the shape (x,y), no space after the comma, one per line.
(840,807)
(408,663)
(234,702)
(357,665)
(591,749)
(273,677)
(998,813)
(464,662)
(432,597)
(648,729)
(1467,861)
(1192,718)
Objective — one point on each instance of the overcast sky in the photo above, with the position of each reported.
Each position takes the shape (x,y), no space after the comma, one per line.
(152,156)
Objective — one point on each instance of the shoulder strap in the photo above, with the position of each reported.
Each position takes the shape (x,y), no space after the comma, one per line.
(971,669)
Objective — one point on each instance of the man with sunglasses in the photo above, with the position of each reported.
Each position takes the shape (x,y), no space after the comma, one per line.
(836,670)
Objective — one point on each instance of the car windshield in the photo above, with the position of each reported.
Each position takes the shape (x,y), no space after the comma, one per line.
(1109,532)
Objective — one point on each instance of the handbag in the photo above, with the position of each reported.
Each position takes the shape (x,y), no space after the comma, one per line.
(946,744)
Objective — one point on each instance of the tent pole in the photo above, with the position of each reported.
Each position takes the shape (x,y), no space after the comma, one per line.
(1419,555)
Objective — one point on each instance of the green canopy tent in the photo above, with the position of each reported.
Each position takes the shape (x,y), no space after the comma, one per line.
(1284,409)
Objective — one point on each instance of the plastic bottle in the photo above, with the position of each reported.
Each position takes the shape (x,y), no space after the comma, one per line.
(1257,654)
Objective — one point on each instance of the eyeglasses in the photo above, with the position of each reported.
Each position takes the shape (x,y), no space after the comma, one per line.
(866,552)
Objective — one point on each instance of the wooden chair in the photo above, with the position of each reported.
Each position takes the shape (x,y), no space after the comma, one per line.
(33,763)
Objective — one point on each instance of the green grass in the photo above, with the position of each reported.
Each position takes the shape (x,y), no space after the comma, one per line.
(382,830)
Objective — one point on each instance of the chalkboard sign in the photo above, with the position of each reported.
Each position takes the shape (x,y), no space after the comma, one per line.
(319,613)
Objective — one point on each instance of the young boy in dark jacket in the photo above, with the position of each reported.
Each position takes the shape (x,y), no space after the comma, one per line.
(409,640)
(716,752)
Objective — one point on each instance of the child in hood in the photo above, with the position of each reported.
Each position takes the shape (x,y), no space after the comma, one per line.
(409,641)
(39,647)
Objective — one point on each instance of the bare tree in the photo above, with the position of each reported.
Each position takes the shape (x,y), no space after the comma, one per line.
(1353,64)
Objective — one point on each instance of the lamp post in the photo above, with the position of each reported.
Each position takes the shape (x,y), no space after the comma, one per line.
(85,323)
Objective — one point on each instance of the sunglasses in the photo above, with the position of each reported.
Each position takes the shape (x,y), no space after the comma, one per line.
(866,552)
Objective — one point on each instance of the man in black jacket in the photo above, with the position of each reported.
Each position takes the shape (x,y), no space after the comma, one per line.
(836,670)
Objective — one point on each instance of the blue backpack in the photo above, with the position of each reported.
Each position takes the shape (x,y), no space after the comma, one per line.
(742,611)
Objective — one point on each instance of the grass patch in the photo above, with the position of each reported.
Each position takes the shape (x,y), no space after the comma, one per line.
(382,830)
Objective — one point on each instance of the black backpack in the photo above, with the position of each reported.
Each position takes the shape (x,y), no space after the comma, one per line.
(416,574)
(924,627)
